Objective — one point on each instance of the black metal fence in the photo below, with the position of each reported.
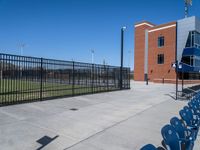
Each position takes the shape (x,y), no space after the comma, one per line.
(25,79)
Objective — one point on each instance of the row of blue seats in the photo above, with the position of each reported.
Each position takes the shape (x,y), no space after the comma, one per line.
(181,134)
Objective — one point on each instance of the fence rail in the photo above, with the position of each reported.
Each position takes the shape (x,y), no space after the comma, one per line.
(26,79)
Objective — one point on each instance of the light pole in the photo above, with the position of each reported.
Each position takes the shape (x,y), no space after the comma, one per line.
(176,59)
(176,79)
(22,45)
(129,60)
(92,51)
(180,67)
(122,53)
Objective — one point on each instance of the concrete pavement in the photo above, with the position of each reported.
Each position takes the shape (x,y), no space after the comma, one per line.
(121,120)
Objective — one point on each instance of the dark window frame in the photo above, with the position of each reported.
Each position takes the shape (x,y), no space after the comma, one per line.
(161,41)
(160,59)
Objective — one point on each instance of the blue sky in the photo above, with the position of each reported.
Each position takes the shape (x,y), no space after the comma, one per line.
(69,29)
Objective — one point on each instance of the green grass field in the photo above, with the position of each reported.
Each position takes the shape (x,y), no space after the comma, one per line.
(25,90)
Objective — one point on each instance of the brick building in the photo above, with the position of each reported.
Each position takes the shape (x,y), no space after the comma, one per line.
(155,50)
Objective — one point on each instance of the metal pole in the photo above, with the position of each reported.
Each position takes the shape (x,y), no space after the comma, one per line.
(21,50)
(1,66)
(92,56)
(107,79)
(182,80)
(147,80)
(122,53)
(22,45)
(1,73)
(41,76)
(176,64)
(92,78)
(129,60)
(73,78)
(176,79)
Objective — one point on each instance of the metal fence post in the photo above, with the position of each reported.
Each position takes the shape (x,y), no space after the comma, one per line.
(129,79)
(1,72)
(176,79)
(107,79)
(73,79)
(41,76)
(1,78)
(92,73)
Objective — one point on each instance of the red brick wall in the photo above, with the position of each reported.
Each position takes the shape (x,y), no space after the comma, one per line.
(160,71)
(139,49)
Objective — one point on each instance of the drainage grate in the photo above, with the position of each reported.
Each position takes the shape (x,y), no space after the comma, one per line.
(73,109)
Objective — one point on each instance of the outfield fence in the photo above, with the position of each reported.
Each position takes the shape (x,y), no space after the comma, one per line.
(26,79)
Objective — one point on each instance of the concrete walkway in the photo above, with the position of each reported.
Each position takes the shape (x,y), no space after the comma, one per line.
(122,120)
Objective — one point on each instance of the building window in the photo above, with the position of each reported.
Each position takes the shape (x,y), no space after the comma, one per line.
(193,39)
(161,41)
(191,60)
(160,59)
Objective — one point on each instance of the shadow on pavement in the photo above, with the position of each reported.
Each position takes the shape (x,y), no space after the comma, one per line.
(45,140)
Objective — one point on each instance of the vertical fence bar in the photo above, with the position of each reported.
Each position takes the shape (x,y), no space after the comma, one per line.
(0,81)
(41,76)
(5,81)
(129,79)
(17,78)
(25,61)
(11,78)
(22,79)
(92,78)
(73,77)
(4,86)
(107,78)
(7,78)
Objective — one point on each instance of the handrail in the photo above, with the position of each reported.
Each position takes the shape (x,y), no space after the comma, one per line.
(189,95)
(191,90)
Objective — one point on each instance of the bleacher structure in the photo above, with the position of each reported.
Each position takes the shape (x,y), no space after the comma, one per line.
(181,133)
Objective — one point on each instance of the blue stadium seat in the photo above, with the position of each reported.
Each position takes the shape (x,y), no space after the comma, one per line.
(195,108)
(196,102)
(193,117)
(185,134)
(148,147)
(170,137)
(188,121)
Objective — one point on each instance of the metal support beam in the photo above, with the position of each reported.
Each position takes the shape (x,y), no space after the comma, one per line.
(176,63)
(122,53)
